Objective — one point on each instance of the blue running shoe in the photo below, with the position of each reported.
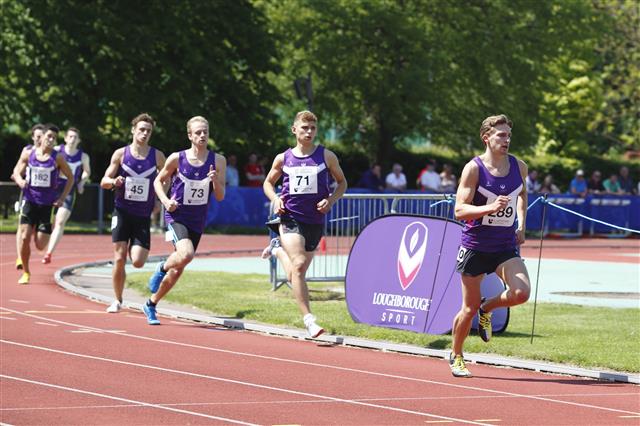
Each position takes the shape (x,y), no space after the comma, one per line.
(156,278)
(150,312)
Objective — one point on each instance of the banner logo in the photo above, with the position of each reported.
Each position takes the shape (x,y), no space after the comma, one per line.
(413,247)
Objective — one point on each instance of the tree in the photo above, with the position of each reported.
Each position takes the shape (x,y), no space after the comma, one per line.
(388,71)
(95,65)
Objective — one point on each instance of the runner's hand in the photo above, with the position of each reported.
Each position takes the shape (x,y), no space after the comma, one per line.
(323,206)
(500,203)
(118,182)
(213,175)
(171,205)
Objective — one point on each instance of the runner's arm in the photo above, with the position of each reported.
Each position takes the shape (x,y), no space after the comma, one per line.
(109,180)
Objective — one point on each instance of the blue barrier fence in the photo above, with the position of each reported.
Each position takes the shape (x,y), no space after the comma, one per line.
(249,207)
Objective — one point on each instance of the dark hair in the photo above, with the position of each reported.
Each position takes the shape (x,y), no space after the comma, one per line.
(35,127)
(493,121)
(51,127)
(143,117)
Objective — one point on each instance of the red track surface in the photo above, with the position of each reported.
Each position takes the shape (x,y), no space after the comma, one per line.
(65,361)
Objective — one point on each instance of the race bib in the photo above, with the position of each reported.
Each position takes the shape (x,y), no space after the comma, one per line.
(136,189)
(504,217)
(40,177)
(303,180)
(196,192)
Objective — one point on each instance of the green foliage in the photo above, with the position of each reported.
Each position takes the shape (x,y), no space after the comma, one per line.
(95,65)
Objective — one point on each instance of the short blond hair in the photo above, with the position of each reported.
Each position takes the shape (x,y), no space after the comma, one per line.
(494,121)
(305,116)
(194,119)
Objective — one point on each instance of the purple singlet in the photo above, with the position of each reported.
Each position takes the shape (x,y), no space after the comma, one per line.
(494,232)
(191,188)
(42,179)
(305,183)
(75,164)
(137,196)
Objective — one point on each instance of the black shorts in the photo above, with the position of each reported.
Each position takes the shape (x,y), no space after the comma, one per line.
(178,231)
(473,263)
(312,232)
(36,215)
(130,228)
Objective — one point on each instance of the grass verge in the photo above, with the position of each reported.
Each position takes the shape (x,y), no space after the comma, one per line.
(590,337)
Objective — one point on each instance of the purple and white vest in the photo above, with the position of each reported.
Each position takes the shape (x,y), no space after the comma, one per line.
(42,179)
(305,183)
(137,196)
(494,232)
(75,164)
(191,188)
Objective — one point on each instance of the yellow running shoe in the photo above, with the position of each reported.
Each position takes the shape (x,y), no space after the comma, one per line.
(24,279)
(484,324)
(19,264)
(458,367)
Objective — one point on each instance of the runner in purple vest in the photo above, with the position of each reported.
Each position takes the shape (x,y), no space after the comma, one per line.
(36,134)
(78,161)
(40,194)
(193,175)
(302,207)
(490,197)
(130,174)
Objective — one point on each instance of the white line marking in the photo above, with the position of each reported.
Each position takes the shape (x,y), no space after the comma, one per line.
(18,301)
(333,367)
(239,382)
(55,306)
(7,318)
(97,275)
(145,404)
(47,323)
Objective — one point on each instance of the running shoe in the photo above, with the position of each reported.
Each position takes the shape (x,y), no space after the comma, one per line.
(24,279)
(484,323)
(273,245)
(19,264)
(458,367)
(156,278)
(150,312)
(313,329)
(114,307)
(47,258)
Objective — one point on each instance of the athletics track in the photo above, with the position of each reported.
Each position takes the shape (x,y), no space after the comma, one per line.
(65,361)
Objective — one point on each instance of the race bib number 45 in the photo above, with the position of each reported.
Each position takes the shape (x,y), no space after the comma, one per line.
(303,180)
(136,189)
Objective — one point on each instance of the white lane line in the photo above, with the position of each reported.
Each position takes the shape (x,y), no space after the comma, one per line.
(240,382)
(7,318)
(18,301)
(55,306)
(334,367)
(47,324)
(141,403)
(299,401)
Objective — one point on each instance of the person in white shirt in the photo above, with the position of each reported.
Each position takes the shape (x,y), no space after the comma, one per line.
(429,179)
(396,180)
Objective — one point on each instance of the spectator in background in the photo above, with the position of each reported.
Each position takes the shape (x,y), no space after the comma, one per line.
(428,179)
(448,181)
(233,177)
(372,179)
(625,181)
(548,187)
(254,172)
(595,185)
(532,181)
(396,180)
(612,186)
(578,185)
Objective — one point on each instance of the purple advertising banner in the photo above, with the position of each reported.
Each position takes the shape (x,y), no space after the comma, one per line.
(401,274)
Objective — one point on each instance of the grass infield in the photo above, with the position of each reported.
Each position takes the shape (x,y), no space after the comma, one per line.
(589,337)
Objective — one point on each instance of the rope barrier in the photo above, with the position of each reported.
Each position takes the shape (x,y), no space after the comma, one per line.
(587,217)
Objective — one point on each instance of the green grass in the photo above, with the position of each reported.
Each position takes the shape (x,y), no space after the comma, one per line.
(588,337)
